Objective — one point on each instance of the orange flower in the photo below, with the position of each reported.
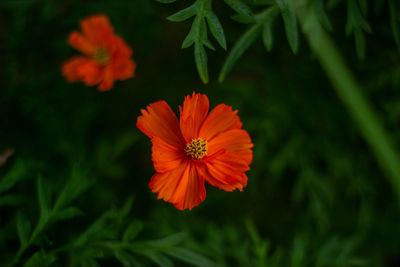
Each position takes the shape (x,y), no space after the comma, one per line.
(200,147)
(106,56)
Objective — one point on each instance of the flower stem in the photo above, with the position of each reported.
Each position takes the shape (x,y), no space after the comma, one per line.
(350,93)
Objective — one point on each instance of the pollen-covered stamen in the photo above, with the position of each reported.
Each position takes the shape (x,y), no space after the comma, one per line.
(101,56)
(197,148)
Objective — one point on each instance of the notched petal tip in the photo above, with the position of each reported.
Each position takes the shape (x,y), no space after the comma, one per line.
(159,120)
(182,187)
(220,119)
(192,115)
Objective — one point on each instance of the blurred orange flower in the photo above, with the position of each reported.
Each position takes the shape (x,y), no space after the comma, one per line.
(106,56)
(200,147)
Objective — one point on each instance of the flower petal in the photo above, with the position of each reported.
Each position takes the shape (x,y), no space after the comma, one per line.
(220,119)
(193,113)
(83,69)
(165,157)
(80,43)
(159,120)
(236,143)
(108,79)
(229,157)
(69,68)
(90,73)
(223,181)
(119,48)
(182,187)
(98,30)
(123,68)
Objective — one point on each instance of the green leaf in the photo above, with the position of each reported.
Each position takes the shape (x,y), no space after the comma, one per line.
(40,258)
(169,241)
(244,19)
(209,45)
(240,7)
(23,228)
(238,49)
(76,185)
(215,27)
(17,172)
(184,14)
(363,6)
(96,229)
(124,211)
(159,259)
(124,142)
(394,19)
(289,19)
(125,258)
(67,213)
(322,16)
(360,43)
(193,33)
(44,198)
(11,200)
(132,231)
(165,1)
(355,18)
(267,36)
(190,257)
(200,58)
(89,263)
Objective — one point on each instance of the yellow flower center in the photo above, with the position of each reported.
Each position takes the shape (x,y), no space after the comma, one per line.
(197,148)
(101,56)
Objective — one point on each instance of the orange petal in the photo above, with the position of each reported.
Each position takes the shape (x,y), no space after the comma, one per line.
(165,157)
(159,120)
(119,48)
(220,119)
(80,43)
(182,187)
(236,143)
(97,29)
(90,73)
(123,68)
(222,181)
(193,113)
(229,157)
(69,69)
(108,79)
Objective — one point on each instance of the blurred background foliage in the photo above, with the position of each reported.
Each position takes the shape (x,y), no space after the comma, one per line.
(75,169)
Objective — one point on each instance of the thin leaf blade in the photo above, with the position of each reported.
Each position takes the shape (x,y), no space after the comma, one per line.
(238,49)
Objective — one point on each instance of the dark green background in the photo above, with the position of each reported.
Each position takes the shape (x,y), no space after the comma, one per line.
(315,195)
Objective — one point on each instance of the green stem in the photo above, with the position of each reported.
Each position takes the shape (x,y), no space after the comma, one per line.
(38,229)
(350,93)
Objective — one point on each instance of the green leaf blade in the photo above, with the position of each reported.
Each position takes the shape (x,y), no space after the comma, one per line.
(394,20)
(184,14)
(165,1)
(240,7)
(44,198)
(267,37)
(200,58)
(191,257)
(290,22)
(132,231)
(238,49)
(23,229)
(216,28)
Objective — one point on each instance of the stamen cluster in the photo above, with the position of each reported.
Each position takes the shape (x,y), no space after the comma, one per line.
(197,148)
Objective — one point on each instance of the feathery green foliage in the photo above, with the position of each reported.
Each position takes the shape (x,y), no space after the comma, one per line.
(323,185)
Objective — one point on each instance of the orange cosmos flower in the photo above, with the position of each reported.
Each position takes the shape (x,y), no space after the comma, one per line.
(200,147)
(106,56)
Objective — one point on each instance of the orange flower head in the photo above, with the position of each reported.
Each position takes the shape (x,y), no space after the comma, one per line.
(106,57)
(200,146)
